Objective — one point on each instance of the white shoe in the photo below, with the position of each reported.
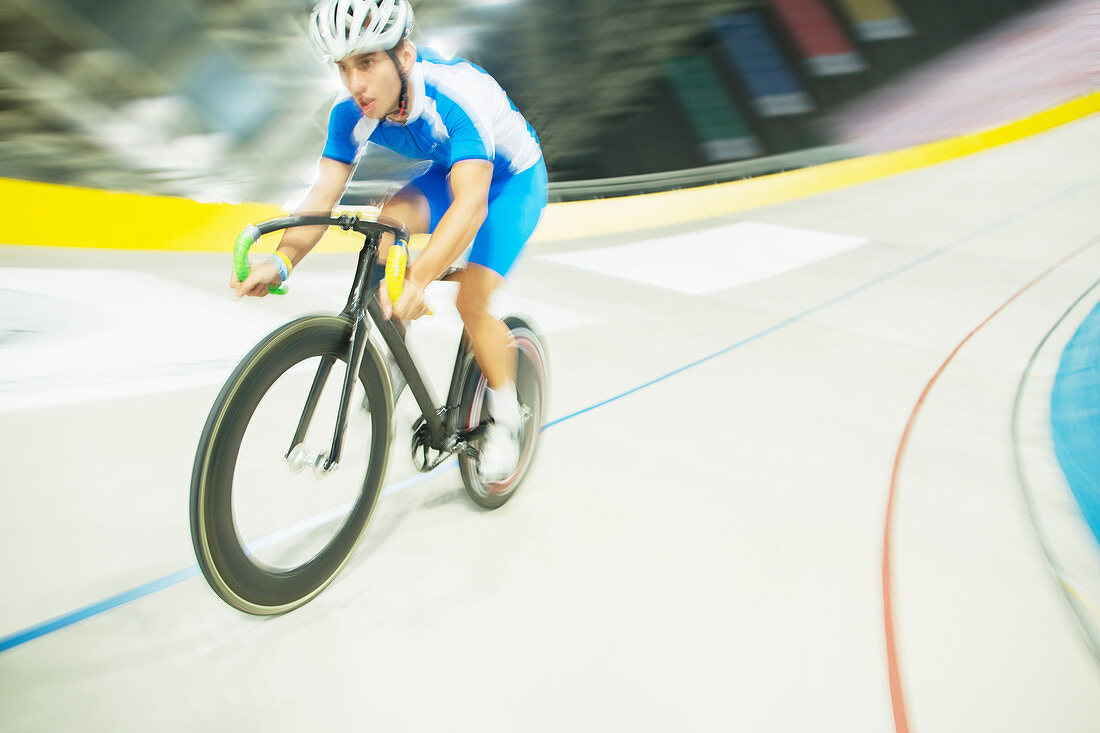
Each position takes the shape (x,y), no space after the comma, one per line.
(499,453)
(500,446)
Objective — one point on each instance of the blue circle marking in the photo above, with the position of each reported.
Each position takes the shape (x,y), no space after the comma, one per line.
(1075,418)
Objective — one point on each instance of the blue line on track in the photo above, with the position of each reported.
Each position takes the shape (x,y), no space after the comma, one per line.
(46,627)
(60,622)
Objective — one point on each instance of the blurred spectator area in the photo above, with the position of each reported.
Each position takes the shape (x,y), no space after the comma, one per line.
(223,100)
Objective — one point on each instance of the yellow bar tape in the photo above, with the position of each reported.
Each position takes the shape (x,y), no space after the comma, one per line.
(396,260)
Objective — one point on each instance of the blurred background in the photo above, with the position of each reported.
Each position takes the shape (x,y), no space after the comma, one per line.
(714,546)
(223,100)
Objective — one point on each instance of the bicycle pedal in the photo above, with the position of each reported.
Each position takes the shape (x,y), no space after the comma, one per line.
(420,458)
(424,462)
(421,451)
(475,433)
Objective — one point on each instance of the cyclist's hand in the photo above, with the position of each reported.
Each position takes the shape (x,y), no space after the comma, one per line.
(384,300)
(256,284)
(411,305)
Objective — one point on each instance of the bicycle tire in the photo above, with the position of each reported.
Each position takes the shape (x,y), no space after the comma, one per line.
(245,584)
(532,387)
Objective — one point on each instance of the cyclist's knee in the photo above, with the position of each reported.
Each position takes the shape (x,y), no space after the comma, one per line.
(470,309)
(472,304)
(478,283)
(409,207)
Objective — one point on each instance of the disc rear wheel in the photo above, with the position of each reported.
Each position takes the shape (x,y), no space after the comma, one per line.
(531,389)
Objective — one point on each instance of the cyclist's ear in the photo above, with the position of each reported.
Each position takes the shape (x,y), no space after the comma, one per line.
(407,53)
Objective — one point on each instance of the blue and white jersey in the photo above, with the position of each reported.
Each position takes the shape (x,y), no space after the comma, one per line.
(458,112)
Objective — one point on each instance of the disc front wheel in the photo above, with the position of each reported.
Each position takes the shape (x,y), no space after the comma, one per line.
(270,526)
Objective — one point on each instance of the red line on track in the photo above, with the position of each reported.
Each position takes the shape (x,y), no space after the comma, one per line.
(897,696)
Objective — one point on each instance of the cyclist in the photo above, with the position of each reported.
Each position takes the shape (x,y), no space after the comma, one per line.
(487,182)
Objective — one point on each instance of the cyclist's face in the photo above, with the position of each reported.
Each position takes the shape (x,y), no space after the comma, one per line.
(373,82)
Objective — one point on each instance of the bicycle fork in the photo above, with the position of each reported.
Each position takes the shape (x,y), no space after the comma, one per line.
(325,462)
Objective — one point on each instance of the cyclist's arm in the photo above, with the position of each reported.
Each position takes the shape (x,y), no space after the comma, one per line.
(332,179)
(470,181)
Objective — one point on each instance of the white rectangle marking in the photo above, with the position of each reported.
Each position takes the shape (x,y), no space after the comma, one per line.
(715,259)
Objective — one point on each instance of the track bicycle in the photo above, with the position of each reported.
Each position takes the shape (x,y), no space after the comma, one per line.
(293,456)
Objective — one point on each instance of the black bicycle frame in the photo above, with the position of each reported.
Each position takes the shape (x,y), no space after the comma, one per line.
(360,305)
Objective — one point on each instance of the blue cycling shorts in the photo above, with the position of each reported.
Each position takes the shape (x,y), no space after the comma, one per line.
(515,205)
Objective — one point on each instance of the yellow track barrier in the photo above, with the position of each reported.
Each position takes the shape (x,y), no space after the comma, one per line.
(134,221)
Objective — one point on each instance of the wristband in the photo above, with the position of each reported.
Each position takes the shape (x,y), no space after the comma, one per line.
(282,264)
(284,258)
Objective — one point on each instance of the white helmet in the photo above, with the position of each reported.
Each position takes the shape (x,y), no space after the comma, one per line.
(340,28)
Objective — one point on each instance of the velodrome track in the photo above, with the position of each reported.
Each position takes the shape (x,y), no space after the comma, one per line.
(808,515)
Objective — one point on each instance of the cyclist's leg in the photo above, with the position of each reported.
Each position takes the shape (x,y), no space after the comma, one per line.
(490,340)
(488,336)
(514,210)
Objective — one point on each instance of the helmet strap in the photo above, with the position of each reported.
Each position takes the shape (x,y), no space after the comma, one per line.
(403,100)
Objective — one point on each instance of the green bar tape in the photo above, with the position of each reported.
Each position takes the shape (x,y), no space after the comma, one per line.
(248,237)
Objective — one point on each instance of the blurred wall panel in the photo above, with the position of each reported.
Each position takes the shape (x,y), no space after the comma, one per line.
(877,20)
(720,128)
(765,74)
(824,44)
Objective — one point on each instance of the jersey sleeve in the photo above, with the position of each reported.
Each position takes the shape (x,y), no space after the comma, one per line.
(340,144)
(471,135)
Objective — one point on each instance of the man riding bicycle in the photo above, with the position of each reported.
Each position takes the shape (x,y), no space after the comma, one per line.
(487,182)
